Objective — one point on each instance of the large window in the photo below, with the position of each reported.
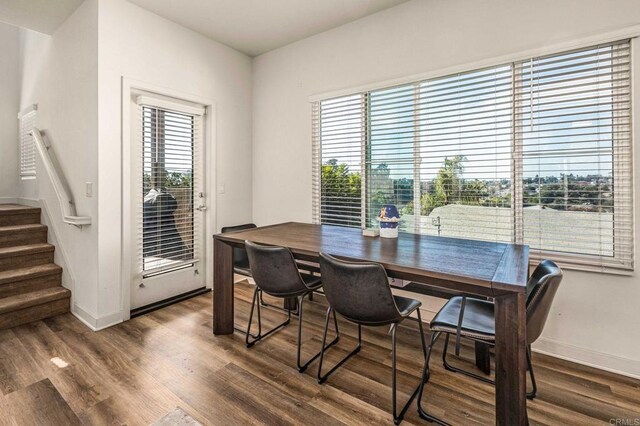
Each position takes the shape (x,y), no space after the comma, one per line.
(536,152)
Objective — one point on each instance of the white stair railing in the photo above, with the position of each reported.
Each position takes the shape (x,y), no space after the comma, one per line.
(65,198)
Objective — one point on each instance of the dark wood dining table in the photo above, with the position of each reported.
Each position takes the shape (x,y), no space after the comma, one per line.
(482,268)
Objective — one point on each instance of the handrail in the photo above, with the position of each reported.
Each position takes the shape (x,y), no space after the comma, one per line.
(65,199)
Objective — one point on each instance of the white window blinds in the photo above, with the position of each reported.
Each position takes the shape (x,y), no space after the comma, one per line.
(465,155)
(26,122)
(535,152)
(573,128)
(167,227)
(339,135)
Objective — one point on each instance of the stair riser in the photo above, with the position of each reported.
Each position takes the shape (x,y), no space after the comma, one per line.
(27,259)
(19,219)
(30,284)
(20,238)
(34,313)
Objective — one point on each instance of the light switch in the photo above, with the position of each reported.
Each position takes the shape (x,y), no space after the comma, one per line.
(221,188)
(89,186)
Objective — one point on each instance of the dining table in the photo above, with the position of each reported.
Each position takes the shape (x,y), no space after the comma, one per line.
(486,269)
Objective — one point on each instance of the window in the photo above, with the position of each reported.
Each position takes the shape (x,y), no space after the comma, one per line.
(340,139)
(536,152)
(170,142)
(26,123)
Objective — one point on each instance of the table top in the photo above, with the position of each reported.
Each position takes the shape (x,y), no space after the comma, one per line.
(479,267)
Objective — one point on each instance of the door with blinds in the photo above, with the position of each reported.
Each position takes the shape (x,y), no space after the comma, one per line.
(169,200)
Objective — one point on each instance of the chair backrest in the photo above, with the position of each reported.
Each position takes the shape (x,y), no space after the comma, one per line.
(274,270)
(358,291)
(239,253)
(541,289)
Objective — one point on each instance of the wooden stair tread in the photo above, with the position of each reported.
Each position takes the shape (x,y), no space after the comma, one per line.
(8,229)
(25,249)
(6,209)
(34,298)
(20,274)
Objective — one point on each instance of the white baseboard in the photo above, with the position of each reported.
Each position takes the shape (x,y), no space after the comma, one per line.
(8,200)
(603,361)
(96,324)
(28,202)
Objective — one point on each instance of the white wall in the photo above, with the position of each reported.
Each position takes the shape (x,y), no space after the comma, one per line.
(139,45)
(60,74)
(595,316)
(9,101)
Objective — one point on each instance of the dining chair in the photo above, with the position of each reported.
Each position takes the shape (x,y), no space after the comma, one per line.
(241,264)
(360,293)
(474,320)
(275,272)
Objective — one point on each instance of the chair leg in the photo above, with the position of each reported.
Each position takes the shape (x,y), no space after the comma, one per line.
(255,302)
(425,378)
(303,367)
(397,418)
(323,378)
(534,391)
(460,370)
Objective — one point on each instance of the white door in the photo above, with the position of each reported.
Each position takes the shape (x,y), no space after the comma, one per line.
(169,200)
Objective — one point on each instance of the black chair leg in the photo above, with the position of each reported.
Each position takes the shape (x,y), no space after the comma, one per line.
(460,370)
(534,391)
(323,378)
(397,418)
(303,367)
(255,302)
(425,379)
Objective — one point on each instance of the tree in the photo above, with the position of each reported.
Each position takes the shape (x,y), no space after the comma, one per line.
(447,183)
(341,192)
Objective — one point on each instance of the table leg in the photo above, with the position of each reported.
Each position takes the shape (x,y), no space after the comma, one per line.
(222,287)
(511,364)
(483,357)
(290,303)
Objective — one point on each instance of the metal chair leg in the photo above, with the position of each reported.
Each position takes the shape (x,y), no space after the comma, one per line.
(397,418)
(303,367)
(260,336)
(425,379)
(534,391)
(460,370)
(321,378)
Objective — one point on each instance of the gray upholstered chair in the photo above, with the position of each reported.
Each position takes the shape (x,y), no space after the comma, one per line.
(240,259)
(476,322)
(275,272)
(360,293)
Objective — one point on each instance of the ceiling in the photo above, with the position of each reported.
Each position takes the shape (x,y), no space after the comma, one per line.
(44,16)
(257,26)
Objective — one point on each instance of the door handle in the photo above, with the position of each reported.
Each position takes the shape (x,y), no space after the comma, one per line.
(201,208)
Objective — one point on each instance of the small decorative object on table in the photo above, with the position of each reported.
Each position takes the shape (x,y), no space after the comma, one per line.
(389,219)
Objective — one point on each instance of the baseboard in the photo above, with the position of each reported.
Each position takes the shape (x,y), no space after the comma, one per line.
(612,363)
(8,200)
(96,324)
(28,202)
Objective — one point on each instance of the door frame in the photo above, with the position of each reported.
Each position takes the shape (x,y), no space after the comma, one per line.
(129,86)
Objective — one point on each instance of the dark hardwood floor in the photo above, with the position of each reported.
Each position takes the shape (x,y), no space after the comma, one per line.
(58,372)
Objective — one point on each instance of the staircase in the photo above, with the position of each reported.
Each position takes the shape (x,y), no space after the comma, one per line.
(30,283)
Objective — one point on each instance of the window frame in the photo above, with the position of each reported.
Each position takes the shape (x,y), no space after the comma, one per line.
(579,261)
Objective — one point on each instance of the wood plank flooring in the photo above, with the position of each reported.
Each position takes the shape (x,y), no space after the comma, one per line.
(58,372)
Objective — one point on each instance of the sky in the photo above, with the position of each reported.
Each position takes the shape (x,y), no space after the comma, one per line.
(563,102)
